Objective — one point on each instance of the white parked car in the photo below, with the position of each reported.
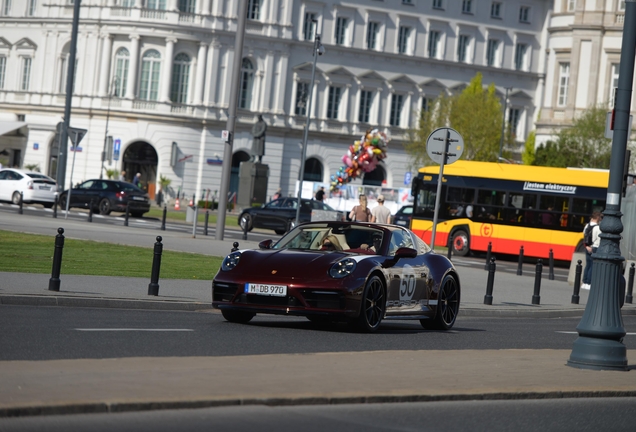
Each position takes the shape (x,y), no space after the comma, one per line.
(36,187)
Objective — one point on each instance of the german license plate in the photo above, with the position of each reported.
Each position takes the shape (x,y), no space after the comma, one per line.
(45,188)
(138,198)
(268,290)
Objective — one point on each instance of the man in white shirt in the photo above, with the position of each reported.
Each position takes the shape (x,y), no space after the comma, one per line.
(380,213)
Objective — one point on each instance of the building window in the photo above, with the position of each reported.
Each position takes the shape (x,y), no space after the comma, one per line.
(180,78)
(613,85)
(513,120)
(621,5)
(571,5)
(491,52)
(564,79)
(334,102)
(26,73)
(462,48)
(373,30)
(3,70)
(403,39)
(302,95)
(524,14)
(247,82)
(365,106)
(438,4)
(187,6)
(126,3)
(467,6)
(156,4)
(309,26)
(254,9)
(6,8)
(341,30)
(426,105)
(397,100)
(149,83)
(495,10)
(122,59)
(520,56)
(433,43)
(33,4)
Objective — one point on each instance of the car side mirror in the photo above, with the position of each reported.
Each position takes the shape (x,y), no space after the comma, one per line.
(265,244)
(405,252)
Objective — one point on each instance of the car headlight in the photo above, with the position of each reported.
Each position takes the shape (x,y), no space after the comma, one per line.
(230,261)
(342,268)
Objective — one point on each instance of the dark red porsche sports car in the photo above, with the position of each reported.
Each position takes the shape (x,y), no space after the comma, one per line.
(340,271)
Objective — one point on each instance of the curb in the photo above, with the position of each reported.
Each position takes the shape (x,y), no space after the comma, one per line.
(119,407)
(94,302)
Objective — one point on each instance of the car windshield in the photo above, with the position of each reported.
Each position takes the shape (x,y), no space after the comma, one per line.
(333,237)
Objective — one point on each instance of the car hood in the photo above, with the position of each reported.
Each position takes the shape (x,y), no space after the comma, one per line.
(288,264)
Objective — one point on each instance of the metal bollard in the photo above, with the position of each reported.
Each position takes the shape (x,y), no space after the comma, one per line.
(195,221)
(54,281)
(577,282)
(450,246)
(245,231)
(21,203)
(486,266)
(492,268)
(127,214)
(551,271)
(235,247)
(90,212)
(630,285)
(205,224)
(163,218)
(536,298)
(55,204)
(520,265)
(153,286)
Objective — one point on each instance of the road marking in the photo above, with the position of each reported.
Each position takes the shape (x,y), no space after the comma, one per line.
(573,332)
(131,329)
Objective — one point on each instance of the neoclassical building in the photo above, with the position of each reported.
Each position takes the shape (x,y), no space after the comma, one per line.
(155,76)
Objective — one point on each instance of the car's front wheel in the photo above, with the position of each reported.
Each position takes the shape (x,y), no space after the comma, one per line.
(245,222)
(239,317)
(373,306)
(447,306)
(104,206)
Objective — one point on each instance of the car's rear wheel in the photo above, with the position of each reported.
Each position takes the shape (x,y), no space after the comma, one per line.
(62,202)
(245,222)
(373,306)
(239,317)
(104,206)
(447,306)
(460,243)
(15,198)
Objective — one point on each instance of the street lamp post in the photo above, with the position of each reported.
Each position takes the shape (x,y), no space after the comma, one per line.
(503,124)
(110,97)
(318,50)
(600,342)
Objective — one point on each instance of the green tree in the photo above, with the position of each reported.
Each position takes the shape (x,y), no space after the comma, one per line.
(436,117)
(528,154)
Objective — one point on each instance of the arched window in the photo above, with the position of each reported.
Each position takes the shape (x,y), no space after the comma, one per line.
(149,83)
(120,77)
(375,177)
(247,81)
(313,170)
(180,78)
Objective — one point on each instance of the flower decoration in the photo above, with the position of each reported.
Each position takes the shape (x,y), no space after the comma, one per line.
(362,156)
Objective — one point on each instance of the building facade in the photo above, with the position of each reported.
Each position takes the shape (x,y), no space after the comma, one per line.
(155,76)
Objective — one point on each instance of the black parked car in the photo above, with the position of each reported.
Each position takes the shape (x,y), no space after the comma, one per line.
(107,196)
(280,214)
(403,216)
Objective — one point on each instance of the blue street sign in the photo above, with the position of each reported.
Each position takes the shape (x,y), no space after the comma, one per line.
(36,146)
(407,178)
(116,148)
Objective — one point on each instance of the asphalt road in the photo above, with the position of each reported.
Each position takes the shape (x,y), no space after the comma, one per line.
(47,333)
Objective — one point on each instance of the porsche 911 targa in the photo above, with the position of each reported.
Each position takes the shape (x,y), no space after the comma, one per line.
(361,273)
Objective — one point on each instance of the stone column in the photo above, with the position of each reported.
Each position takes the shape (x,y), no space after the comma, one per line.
(167,71)
(270,62)
(205,7)
(172,5)
(213,56)
(200,78)
(281,82)
(132,68)
(139,4)
(107,47)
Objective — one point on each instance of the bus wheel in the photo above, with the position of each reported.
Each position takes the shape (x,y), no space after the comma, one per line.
(460,243)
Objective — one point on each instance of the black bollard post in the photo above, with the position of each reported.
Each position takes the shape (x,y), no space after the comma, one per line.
(163,218)
(450,246)
(245,229)
(520,265)
(153,286)
(21,203)
(491,281)
(205,224)
(630,285)
(235,247)
(127,214)
(577,282)
(55,203)
(551,271)
(90,212)
(54,282)
(536,298)
(487,265)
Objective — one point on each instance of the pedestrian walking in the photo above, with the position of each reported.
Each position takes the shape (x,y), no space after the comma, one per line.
(320,194)
(137,180)
(380,213)
(592,240)
(122,176)
(361,212)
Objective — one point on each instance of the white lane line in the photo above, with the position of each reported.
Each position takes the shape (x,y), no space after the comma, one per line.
(131,329)
(573,332)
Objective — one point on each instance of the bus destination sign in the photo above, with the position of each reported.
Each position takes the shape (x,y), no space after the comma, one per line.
(549,187)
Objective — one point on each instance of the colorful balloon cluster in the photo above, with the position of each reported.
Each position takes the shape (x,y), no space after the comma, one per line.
(363,156)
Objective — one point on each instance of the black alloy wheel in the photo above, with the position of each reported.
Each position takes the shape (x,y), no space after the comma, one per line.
(104,206)
(238,317)
(373,306)
(245,220)
(447,306)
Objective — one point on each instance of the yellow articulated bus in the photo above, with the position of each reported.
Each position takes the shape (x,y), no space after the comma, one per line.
(509,206)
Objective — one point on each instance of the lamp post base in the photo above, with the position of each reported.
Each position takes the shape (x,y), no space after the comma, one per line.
(598,354)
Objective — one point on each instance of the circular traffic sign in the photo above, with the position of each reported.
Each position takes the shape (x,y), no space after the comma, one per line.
(437,140)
